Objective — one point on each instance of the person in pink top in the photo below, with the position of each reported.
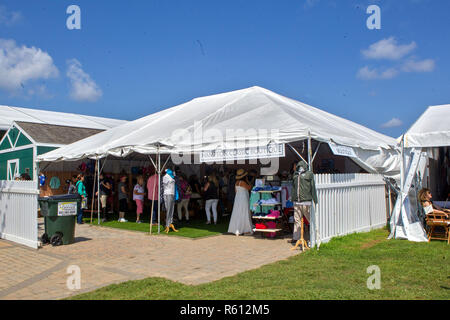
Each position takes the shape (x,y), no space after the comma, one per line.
(152,188)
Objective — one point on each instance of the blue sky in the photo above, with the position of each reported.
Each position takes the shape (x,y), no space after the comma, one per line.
(132,58)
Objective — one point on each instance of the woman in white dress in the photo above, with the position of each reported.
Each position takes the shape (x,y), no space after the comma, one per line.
(241,222)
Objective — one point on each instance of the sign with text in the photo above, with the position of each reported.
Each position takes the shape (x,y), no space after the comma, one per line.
(67,209)
(272,150)
(342,150)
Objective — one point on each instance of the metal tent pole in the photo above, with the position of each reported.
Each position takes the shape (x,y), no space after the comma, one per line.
(159,190)
(402,182)
(153,195)
(93,193)
(309,150)
(98,191)
(313,209)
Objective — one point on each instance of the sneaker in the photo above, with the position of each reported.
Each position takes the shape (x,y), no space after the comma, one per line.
(138,222)
(208,222)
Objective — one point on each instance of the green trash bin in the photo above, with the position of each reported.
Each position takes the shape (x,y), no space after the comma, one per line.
(60,214)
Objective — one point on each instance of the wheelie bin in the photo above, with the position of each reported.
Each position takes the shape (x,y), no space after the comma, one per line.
(60,213)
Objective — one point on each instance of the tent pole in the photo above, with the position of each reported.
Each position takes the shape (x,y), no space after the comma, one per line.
(159,190)
(402,182)
(93,192)
(296,152)
(389,205)
(153,194)
(315,152)
(313,207)
(309,151)
(98,190)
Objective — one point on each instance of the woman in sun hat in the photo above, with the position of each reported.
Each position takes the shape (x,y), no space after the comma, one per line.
(241,222)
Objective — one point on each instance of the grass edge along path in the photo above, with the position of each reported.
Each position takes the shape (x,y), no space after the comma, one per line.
(194,229)
(337,271)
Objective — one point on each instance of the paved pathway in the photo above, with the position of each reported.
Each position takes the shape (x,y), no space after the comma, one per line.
(107,256)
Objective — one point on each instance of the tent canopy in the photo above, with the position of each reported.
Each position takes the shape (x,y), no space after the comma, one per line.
(217,121)
(432,129)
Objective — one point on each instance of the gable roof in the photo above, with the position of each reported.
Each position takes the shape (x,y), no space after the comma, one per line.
(56,135)
(432,129)
(10,114)
(252,108)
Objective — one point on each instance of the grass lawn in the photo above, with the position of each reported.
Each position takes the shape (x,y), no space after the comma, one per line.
(196,228)
(338,271)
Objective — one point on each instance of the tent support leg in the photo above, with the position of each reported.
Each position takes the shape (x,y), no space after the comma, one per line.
(315,152)
(153,201)
(93,192)
(159,190)
(296,152)
(98,190)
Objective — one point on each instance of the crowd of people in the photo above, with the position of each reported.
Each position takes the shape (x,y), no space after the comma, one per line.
(216,194)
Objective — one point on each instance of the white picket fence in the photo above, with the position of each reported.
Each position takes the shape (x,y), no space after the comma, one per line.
(18,212)
(348,203)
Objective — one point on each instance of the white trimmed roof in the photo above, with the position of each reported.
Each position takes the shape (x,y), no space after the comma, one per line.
(10,114)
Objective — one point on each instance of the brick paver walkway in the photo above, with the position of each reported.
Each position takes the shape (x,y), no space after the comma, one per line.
(107,256)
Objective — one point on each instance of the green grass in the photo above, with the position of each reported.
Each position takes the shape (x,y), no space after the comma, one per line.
(196,228)
(338,271)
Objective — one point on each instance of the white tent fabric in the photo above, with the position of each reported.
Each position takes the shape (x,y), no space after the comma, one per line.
(254,115)
(10,114)
(406,217)
(432,129)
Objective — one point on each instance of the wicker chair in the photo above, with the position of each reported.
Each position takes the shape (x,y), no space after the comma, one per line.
(439,225)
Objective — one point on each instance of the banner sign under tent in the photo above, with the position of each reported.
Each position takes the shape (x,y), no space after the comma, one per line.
(272,150)
(344,151)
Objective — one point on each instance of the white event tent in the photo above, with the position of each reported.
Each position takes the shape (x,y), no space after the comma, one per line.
(430,131)
(255,116)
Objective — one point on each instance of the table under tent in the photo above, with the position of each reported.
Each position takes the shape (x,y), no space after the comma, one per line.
(252,126)
(425,163)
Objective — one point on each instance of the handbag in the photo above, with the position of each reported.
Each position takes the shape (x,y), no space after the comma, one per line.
(84,203)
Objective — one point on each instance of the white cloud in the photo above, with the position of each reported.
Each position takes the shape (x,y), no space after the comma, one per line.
(394,122)
(20,64)
(9,18)
(413,65)
(83,88)
(366,73)
(388,49)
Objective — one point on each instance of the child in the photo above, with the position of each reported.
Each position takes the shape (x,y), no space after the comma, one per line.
(138,196)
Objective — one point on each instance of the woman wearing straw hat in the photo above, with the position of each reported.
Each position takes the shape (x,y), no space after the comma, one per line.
(241,222)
